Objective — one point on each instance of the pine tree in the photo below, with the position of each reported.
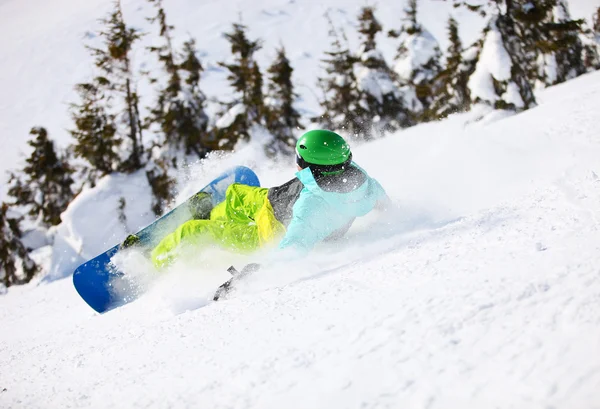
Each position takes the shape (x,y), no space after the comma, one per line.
(342,97)
(247,109)
(282,117)
(381,97)
(16,267)
(590,38)
(453,93)
(368,27)
(195,121)
(179,110)
(418,59)
(500,77)
(410,25)
(47,188)
(95,132)
(115,62)
(161,183)
(553,49)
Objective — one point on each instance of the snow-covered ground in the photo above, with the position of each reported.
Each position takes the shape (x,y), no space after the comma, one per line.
(482,291)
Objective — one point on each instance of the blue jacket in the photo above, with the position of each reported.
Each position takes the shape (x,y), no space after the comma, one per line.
(318,213)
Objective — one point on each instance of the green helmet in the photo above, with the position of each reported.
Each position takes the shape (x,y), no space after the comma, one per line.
(322,148)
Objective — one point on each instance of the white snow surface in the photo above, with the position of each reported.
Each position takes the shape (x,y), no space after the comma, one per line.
(512,95)
(548,68)
(376,83)
(482,290)
(229,117)
(494,63)
(420,49)
(91,225)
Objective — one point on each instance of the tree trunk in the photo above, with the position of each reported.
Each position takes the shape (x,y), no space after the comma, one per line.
(133,133)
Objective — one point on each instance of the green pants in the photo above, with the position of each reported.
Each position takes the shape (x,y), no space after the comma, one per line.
(243,222)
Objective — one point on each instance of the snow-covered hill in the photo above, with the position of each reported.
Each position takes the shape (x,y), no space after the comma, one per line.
(483,291)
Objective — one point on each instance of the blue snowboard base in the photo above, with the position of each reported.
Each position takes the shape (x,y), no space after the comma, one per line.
(104,287)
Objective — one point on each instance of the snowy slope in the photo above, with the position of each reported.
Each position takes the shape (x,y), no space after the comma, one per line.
(483,291)
(43,54)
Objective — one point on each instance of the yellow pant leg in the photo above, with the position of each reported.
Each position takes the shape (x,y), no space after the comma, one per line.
(192,232)
(243,222)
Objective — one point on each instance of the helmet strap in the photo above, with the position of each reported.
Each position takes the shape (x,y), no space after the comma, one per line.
(319,171)
(323,170)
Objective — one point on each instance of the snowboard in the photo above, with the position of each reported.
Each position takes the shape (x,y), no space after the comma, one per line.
(104,287)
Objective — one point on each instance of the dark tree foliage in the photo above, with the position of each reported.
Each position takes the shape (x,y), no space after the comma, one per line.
(179,109)
(114,61)
(591,47)
(45,186)
(341,101)
(368,27)
(453,93)
(550,38)
(255,94)
(246,79)
(380,97)
(282,117)
(162,185)
(514,47)
(410,18)
(13,252)
(194,120)
(95,133)
(515,92)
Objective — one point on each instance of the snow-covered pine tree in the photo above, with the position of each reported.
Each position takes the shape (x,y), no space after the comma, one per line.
(500,76)
(16,267)
(45,187)
(95,136)
(453,94)
(417,60)
(282,118)
(591,44)
(341,96)
(195,123)
(247,108)
(179,110)
(114,60)
(550,40)
(161,183)
(187,121)
(381,97)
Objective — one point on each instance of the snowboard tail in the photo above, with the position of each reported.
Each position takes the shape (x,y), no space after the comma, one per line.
(103,287)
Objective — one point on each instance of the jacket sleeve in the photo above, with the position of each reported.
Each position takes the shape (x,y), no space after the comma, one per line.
(304,230)
(383,200)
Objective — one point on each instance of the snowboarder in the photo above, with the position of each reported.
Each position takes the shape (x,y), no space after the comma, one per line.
(320,203)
